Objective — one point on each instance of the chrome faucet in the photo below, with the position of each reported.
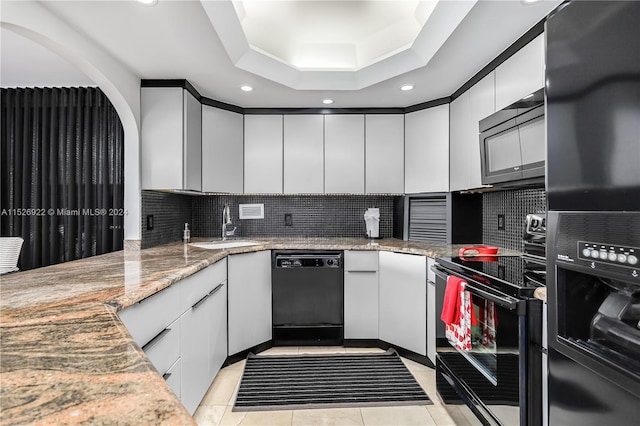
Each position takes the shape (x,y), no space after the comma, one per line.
(226,220)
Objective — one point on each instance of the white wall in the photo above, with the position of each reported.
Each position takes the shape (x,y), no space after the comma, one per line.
(32,20)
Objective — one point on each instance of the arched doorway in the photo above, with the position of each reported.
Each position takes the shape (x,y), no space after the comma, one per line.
(33,21)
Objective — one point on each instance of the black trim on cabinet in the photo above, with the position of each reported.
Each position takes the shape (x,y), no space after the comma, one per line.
(377,343)
(185,84)
(361,343)
(232,359)
(428,104)
(293,111)
(176,82)
(527,37)
(348,343)
(222,105)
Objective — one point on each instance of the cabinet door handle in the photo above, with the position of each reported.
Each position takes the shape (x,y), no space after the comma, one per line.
(166,376)
(156,339)
(218,287)
(201,301)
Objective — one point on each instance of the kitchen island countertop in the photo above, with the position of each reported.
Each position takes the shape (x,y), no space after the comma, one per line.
(65,357)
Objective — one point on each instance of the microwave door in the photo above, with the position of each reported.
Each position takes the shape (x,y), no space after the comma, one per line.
(532,146)
(500,153)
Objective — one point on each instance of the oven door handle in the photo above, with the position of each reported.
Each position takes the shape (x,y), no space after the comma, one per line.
(502,300)
(479,289)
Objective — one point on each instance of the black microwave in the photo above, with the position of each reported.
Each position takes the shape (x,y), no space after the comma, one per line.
(513,143)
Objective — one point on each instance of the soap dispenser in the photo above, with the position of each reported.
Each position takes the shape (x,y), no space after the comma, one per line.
(186,234)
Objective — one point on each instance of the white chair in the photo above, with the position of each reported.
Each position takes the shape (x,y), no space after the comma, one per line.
(10,248)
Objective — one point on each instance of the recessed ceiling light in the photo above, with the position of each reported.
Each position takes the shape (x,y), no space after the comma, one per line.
(327,101)
(406,87)
(527,2)
(246,88)
(148,2)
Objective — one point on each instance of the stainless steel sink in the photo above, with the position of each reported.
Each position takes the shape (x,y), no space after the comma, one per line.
(218,245)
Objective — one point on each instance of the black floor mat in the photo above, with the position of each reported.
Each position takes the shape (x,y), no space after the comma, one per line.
(286,382)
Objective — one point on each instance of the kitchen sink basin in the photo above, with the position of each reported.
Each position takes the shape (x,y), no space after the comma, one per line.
(217,245)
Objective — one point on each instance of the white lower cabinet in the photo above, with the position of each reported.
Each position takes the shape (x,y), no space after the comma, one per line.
(188,329)
(360,294)
(249,295)
(194,345)
(203,333)
(149,317)
(218,330)
(403,301)
(164,349)
(173,377)
(183,331)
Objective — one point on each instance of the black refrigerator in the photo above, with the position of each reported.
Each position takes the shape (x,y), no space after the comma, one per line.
(593,215)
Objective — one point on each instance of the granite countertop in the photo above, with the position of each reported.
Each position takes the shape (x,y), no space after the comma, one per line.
(65,357)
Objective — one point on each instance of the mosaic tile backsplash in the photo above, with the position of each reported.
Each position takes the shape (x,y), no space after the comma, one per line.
(312,215)
(318,215)
(170,212)
(512,206)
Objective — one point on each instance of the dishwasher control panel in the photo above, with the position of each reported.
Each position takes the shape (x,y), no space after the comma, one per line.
(308,260)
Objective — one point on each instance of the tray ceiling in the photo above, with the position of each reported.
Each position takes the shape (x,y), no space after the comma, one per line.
(333,45)
(181,39)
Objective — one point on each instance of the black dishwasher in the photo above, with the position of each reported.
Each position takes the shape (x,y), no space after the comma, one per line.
(308,297)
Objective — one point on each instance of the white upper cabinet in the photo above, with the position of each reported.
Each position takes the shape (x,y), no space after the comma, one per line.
(482,103)
(344,153)
(171,139)
(192,159)
(222,150)
(521,74)
(427,150)
(384,154)
(263,154)
(466,111)
(460,135)
(303,154)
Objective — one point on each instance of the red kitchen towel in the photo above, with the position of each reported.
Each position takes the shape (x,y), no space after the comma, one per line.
(459,332)
(450,313)
(474,318)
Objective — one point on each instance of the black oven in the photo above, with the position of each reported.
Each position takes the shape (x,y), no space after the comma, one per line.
(498,374)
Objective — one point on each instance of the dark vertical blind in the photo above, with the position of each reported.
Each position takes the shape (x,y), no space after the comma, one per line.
(62,157)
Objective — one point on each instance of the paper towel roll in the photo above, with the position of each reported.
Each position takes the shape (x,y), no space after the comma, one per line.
(372,221)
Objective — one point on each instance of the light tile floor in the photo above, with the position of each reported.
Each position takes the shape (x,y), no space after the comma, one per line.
(216,407)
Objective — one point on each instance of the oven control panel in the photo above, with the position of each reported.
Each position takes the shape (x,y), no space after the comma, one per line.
(607,253)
